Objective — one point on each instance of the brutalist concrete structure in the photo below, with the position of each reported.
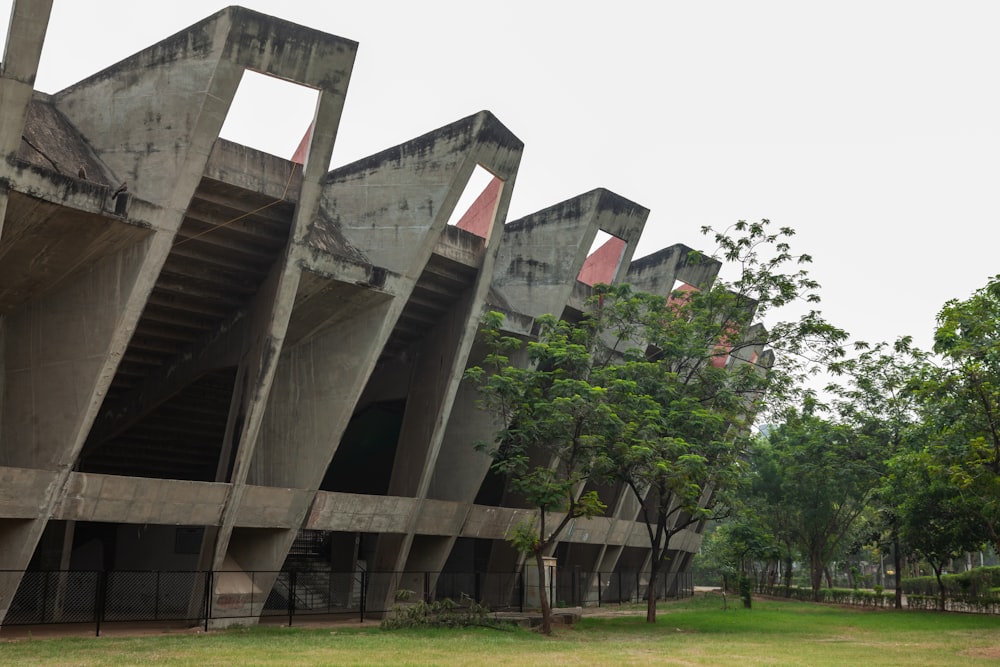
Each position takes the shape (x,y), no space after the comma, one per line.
(205,349)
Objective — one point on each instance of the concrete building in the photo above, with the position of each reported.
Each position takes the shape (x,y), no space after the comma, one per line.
(205,349)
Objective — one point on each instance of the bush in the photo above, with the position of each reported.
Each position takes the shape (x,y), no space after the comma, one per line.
(444,613)
(976,583)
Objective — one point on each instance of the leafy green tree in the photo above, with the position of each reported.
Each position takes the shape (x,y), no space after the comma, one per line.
(703,372)
(821,475)
(879,402)
(654,392)
(936,520)
(556,418)
(962,399)
(737,546)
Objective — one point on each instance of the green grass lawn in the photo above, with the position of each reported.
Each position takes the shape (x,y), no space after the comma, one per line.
(691,632)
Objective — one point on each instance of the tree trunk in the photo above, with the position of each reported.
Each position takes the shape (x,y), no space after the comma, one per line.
(543,595)
(897,563)
(815,575)
(941,596)
(654,572)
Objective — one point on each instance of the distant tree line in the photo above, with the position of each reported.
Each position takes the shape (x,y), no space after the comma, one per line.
(904,460)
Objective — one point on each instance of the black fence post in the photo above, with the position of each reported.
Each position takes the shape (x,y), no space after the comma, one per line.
(45,596)
(100,594)
(156,599)
(575,598)
(477,586)
(523,593)
(620,589)
(600,588)
(329,593)
(291,596)
(364,593)
(208,597)
(552,585)
(427,587)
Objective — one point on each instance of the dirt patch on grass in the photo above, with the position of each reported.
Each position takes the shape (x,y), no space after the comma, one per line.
(983,652)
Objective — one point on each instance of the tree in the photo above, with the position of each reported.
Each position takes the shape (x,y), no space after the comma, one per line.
(738,545)
(699,376)
(962,399)
(654,392)
(879,403)
(555,418)
(822,478)
(937,521)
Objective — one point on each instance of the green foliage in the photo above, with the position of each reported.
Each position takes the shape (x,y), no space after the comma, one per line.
(978,582)
(556,418)
(812,479)
(444,613)
(746,591)
(962,400)
(937,521)
(654,392)
(851,596)
(524,537)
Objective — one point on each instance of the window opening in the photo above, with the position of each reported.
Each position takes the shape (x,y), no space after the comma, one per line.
(603,260)
(270,114)
(477,206)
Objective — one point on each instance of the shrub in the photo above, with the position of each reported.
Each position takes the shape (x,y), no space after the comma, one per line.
(444,613)
(978,582)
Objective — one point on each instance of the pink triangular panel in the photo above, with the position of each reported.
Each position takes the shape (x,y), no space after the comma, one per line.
(601,265)
(300,153)
(479,217)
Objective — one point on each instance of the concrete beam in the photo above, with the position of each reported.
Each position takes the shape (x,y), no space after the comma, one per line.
(542,254)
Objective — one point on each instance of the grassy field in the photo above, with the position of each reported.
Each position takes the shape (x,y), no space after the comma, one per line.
(691,632)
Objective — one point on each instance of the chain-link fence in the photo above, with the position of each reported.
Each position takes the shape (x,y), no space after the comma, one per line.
(46,597)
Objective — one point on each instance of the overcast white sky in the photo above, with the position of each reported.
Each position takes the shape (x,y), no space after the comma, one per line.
(871,127)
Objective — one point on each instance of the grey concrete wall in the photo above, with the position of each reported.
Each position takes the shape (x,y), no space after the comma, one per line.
(320,337)
(541,254)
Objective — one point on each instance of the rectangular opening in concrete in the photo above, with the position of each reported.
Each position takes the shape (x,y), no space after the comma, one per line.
(680,288)
(477,206)
(363,462)
(603,259)
(178,438)
(270,114)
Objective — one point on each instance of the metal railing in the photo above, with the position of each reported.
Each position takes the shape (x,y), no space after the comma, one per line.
(216,597)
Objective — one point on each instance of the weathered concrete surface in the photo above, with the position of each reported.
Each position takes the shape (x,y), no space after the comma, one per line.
(542,254)
(140,500)
(25,36)
(188,326)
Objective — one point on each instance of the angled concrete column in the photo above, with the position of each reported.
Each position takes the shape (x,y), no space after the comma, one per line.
(57,350)
(176,94)
(270,327)
(27,24)
(539,261)
(655,273)
(335,354)
(317,384)
(25,35)
(393,207)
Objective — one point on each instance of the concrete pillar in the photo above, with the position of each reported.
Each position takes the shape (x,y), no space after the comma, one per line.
(59,351)
(25,36)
